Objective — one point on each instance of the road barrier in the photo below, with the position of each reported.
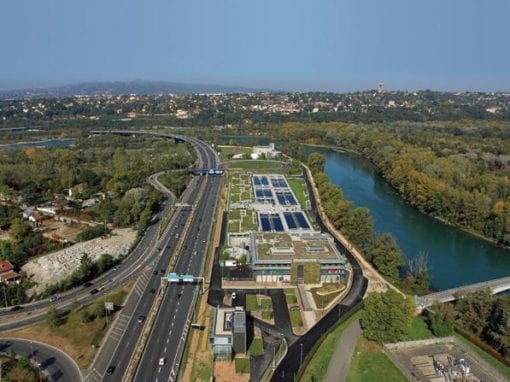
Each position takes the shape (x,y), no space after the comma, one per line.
(149,323)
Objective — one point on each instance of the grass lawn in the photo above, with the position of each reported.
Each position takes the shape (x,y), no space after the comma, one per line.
(247,222)
(233,226)
(501,367)
(323,300)
(266,303)
(296,319)
(255,164)
(232,150)
(251,302)
(234,214)
(242,365)
(419,329)
(74,336)
(257,347)
(369,363)
(290,296)
(298,187)
(267,314)
(318,365)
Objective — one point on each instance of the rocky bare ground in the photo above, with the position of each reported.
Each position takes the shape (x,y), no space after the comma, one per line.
(56,266)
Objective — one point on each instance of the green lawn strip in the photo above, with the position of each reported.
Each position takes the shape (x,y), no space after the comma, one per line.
(290,296)
(319,363)
(296,319)
(267,314)
(234,214)
(251,303)
(242,365)
(232,150)
(369,365)
(233,226)
(255,164)
(266,303)
(247,222)
(419,329)
(501,367)
(323,300)
(298,187)
(257,347)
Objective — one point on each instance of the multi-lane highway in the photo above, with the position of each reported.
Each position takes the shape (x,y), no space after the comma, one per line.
(188,231)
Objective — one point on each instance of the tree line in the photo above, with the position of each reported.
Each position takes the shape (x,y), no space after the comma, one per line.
(457,172)
(357,225)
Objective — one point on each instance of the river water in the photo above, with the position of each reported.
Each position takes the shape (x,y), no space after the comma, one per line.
(455,257)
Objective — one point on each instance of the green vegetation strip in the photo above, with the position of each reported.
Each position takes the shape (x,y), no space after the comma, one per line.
(296,319)
(257,347)
(419,329)
(298,187)
(318,362)
(242,365)
(370,364)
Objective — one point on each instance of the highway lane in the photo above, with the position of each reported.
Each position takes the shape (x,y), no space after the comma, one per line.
(131,266)
(53,363)
(119,354)
(170,329)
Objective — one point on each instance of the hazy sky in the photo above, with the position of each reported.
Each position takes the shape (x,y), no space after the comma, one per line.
(284,44)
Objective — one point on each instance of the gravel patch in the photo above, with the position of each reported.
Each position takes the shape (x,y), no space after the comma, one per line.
(58,265)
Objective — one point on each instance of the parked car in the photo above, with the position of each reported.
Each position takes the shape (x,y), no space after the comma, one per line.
(234,295)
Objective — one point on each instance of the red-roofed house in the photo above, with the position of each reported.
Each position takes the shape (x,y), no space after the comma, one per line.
(7,273)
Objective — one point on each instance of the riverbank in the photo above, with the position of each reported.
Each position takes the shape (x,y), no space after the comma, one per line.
(376,282)
(475,234)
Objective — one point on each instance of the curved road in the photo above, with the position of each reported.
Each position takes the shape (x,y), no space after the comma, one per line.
(53,363)
(130,268)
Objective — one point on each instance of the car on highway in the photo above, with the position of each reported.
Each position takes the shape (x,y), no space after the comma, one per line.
(87,284)
(110,370)
(16,308)
(141,319)
(152,290)
(54,298)
(94,291)
(162,361)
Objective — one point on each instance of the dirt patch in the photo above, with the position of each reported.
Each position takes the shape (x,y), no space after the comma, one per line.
(54,229)
(225,371)
(55,267)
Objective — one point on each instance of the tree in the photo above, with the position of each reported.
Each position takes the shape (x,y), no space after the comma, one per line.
(104,263)
(441,318)
(52,317)
(316,162)
(387,316)
(385,254)
(19,231)
(23,362)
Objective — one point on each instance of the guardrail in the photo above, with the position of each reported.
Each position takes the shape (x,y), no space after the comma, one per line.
(149,323)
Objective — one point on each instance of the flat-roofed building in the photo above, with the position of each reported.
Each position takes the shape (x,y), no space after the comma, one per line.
(228,332)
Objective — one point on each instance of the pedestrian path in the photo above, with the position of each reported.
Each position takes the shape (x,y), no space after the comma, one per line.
(341,360)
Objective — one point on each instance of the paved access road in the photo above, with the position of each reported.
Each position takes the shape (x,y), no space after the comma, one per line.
(55,364)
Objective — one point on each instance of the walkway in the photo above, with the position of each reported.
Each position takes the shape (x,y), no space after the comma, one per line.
(496,286)
(341,360)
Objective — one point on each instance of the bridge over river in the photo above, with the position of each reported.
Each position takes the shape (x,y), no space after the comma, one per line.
(496,286)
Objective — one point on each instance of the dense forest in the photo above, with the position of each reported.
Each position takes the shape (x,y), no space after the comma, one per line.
(455,171)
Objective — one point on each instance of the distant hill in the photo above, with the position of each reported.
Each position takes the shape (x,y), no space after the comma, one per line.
(123,88)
